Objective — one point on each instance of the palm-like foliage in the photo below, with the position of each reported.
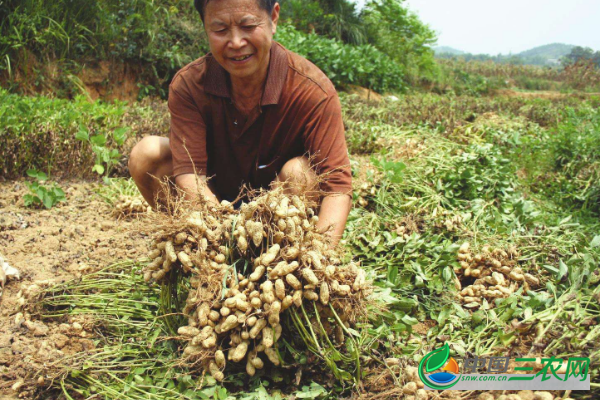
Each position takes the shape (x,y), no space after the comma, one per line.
(336,19)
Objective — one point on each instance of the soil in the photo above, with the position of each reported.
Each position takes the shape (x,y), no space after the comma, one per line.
(75,237)
(106,80)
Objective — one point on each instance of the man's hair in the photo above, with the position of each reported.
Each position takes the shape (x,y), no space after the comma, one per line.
(266,5)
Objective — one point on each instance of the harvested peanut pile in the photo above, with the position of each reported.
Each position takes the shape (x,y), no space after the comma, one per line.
(367,182)
(246,268)
(127,206)
(496,275)
(444,219)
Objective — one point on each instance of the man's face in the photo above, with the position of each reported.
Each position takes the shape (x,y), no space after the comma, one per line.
(240,34)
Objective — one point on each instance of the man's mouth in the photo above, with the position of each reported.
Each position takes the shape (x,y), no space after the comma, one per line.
(241,58)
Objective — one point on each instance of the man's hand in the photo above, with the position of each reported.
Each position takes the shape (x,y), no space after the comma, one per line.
(194,186)
(334,213)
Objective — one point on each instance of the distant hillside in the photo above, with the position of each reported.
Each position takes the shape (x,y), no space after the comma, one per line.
(447,50)
(546,55)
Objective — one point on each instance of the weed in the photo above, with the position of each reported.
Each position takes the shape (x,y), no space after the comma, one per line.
(104,154)
(40,194)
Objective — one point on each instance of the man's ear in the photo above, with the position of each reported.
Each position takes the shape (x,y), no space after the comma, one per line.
(274,17)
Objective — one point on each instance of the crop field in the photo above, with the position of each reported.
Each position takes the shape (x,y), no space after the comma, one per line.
(475,224)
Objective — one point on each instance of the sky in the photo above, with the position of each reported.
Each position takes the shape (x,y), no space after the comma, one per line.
(510,26)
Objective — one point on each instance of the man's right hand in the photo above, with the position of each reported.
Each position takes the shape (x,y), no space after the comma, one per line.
(194,186)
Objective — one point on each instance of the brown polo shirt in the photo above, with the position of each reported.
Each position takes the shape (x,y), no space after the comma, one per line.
(299,114)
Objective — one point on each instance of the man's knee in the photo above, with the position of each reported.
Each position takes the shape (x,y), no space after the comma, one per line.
(298,171)
(148,155)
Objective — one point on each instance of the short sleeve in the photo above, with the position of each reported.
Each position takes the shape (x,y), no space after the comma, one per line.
(188,133)
(324,139)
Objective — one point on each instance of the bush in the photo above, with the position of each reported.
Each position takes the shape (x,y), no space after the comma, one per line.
(575,149)
(343,63)
(400,34)
(41,133)
(164,35)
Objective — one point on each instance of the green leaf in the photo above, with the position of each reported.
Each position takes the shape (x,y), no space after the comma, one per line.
(506,338)
(48,201)
(28,200)
(595,241)
(550,268)
(99,140)
(447,274)
(58,193)
(119,135)
(39,175)
(105,155)
(563,270)
(99,168)
(315,390)
(82,135)
(438,359)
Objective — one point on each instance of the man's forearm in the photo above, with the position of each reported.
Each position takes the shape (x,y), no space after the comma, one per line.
(333,215)
(194,186)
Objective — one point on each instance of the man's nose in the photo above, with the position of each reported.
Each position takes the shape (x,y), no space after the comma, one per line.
(238,39)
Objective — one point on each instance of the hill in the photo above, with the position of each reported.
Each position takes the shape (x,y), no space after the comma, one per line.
(546,55)
(447,50)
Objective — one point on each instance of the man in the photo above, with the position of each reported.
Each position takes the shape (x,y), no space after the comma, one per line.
(249,113)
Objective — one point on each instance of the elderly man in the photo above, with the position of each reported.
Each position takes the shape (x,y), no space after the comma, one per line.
(249,112)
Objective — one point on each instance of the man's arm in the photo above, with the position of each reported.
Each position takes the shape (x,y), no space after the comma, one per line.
(194,186)
(334,213)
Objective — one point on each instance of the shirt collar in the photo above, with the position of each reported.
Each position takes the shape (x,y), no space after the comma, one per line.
(217,78)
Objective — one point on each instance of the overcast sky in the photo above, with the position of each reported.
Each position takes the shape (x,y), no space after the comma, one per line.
(486,26)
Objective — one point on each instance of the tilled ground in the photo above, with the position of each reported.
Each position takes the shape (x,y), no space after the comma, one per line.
(46,246)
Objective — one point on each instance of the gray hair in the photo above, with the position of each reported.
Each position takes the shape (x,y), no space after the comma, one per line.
(266,5)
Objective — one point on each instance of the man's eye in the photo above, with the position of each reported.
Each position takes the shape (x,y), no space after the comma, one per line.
(249,27)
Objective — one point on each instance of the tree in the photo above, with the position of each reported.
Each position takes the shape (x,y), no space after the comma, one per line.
(578,54)
(336,19)
(399,33)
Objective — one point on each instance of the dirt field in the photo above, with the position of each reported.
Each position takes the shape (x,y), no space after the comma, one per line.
(74,238)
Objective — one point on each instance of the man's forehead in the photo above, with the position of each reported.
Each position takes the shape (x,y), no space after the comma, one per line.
(248,9)
(238,17)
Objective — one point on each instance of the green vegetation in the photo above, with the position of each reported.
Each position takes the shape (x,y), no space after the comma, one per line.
(37,36)
(554,67)
(570,156)
(382,48)
(387,25)
(338,60)
(579,54)
(76,138)
(98,143)
(70,138)
(41,194)
(507,173)
(544,56)
(483,77)
(399,33)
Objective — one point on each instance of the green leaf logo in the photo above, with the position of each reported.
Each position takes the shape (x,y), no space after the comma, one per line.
(438,358)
